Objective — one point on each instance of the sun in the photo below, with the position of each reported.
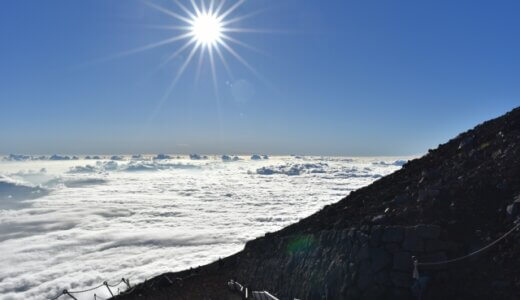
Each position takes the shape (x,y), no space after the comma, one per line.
(207,29)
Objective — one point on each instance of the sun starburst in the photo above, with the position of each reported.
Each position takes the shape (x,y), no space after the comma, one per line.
(206,29)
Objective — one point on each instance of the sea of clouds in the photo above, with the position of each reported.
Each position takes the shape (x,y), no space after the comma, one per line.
(69,222)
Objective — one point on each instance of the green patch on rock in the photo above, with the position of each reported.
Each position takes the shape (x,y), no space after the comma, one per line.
(300,243)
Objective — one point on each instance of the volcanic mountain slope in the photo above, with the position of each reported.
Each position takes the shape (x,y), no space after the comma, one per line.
(452,201)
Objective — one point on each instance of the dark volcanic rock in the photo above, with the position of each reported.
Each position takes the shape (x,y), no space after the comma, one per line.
(452,201)
(393,234)
(514,209)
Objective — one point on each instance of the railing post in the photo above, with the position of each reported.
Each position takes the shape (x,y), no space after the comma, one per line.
(65,292)
(109,290)
(126,281)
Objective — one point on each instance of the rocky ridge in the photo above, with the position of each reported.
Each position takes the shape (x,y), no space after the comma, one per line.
(452,201)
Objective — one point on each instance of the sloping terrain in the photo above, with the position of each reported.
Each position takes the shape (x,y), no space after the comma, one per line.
(452,201)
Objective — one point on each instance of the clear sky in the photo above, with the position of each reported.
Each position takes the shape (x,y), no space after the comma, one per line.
(332,77)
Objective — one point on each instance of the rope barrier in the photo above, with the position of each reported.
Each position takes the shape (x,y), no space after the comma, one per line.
(70,293)
(126,281)
(108,288)
(128,291)
(423,264)
(56,297)
(420,283)
(87,290)
(114,285)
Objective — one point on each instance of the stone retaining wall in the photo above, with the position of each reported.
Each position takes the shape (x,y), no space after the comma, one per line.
(371,262)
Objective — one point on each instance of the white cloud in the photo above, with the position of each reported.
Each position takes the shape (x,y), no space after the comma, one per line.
(17,157)
(197,157)
(105,221)
(293,169)
(129,166)
(399,162)
(61,157)
(13,193)
(162,156)
(83,169)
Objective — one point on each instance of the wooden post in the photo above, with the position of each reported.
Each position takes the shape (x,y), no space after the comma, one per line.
(65,292)
(126,281)
(109,290)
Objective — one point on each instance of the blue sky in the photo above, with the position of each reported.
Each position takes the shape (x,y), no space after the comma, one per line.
(339,77)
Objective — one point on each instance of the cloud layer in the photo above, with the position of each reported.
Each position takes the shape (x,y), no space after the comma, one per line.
(138,217)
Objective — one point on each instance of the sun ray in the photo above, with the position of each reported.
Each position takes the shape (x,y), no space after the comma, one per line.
(242,17)
(211,5)
(152,46)
(172,84)
(196,8)
(179,73)
(203,6)
(252,30)
(224,62)
(219,7)
(188,60)
(199,65)
(215,88)
(213,72)
(168,12)
(238,57)
(243,44)
(247,65)
(168,27)
(185,9)
(176,53)
(169,58)
(186,63)
(230,10)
